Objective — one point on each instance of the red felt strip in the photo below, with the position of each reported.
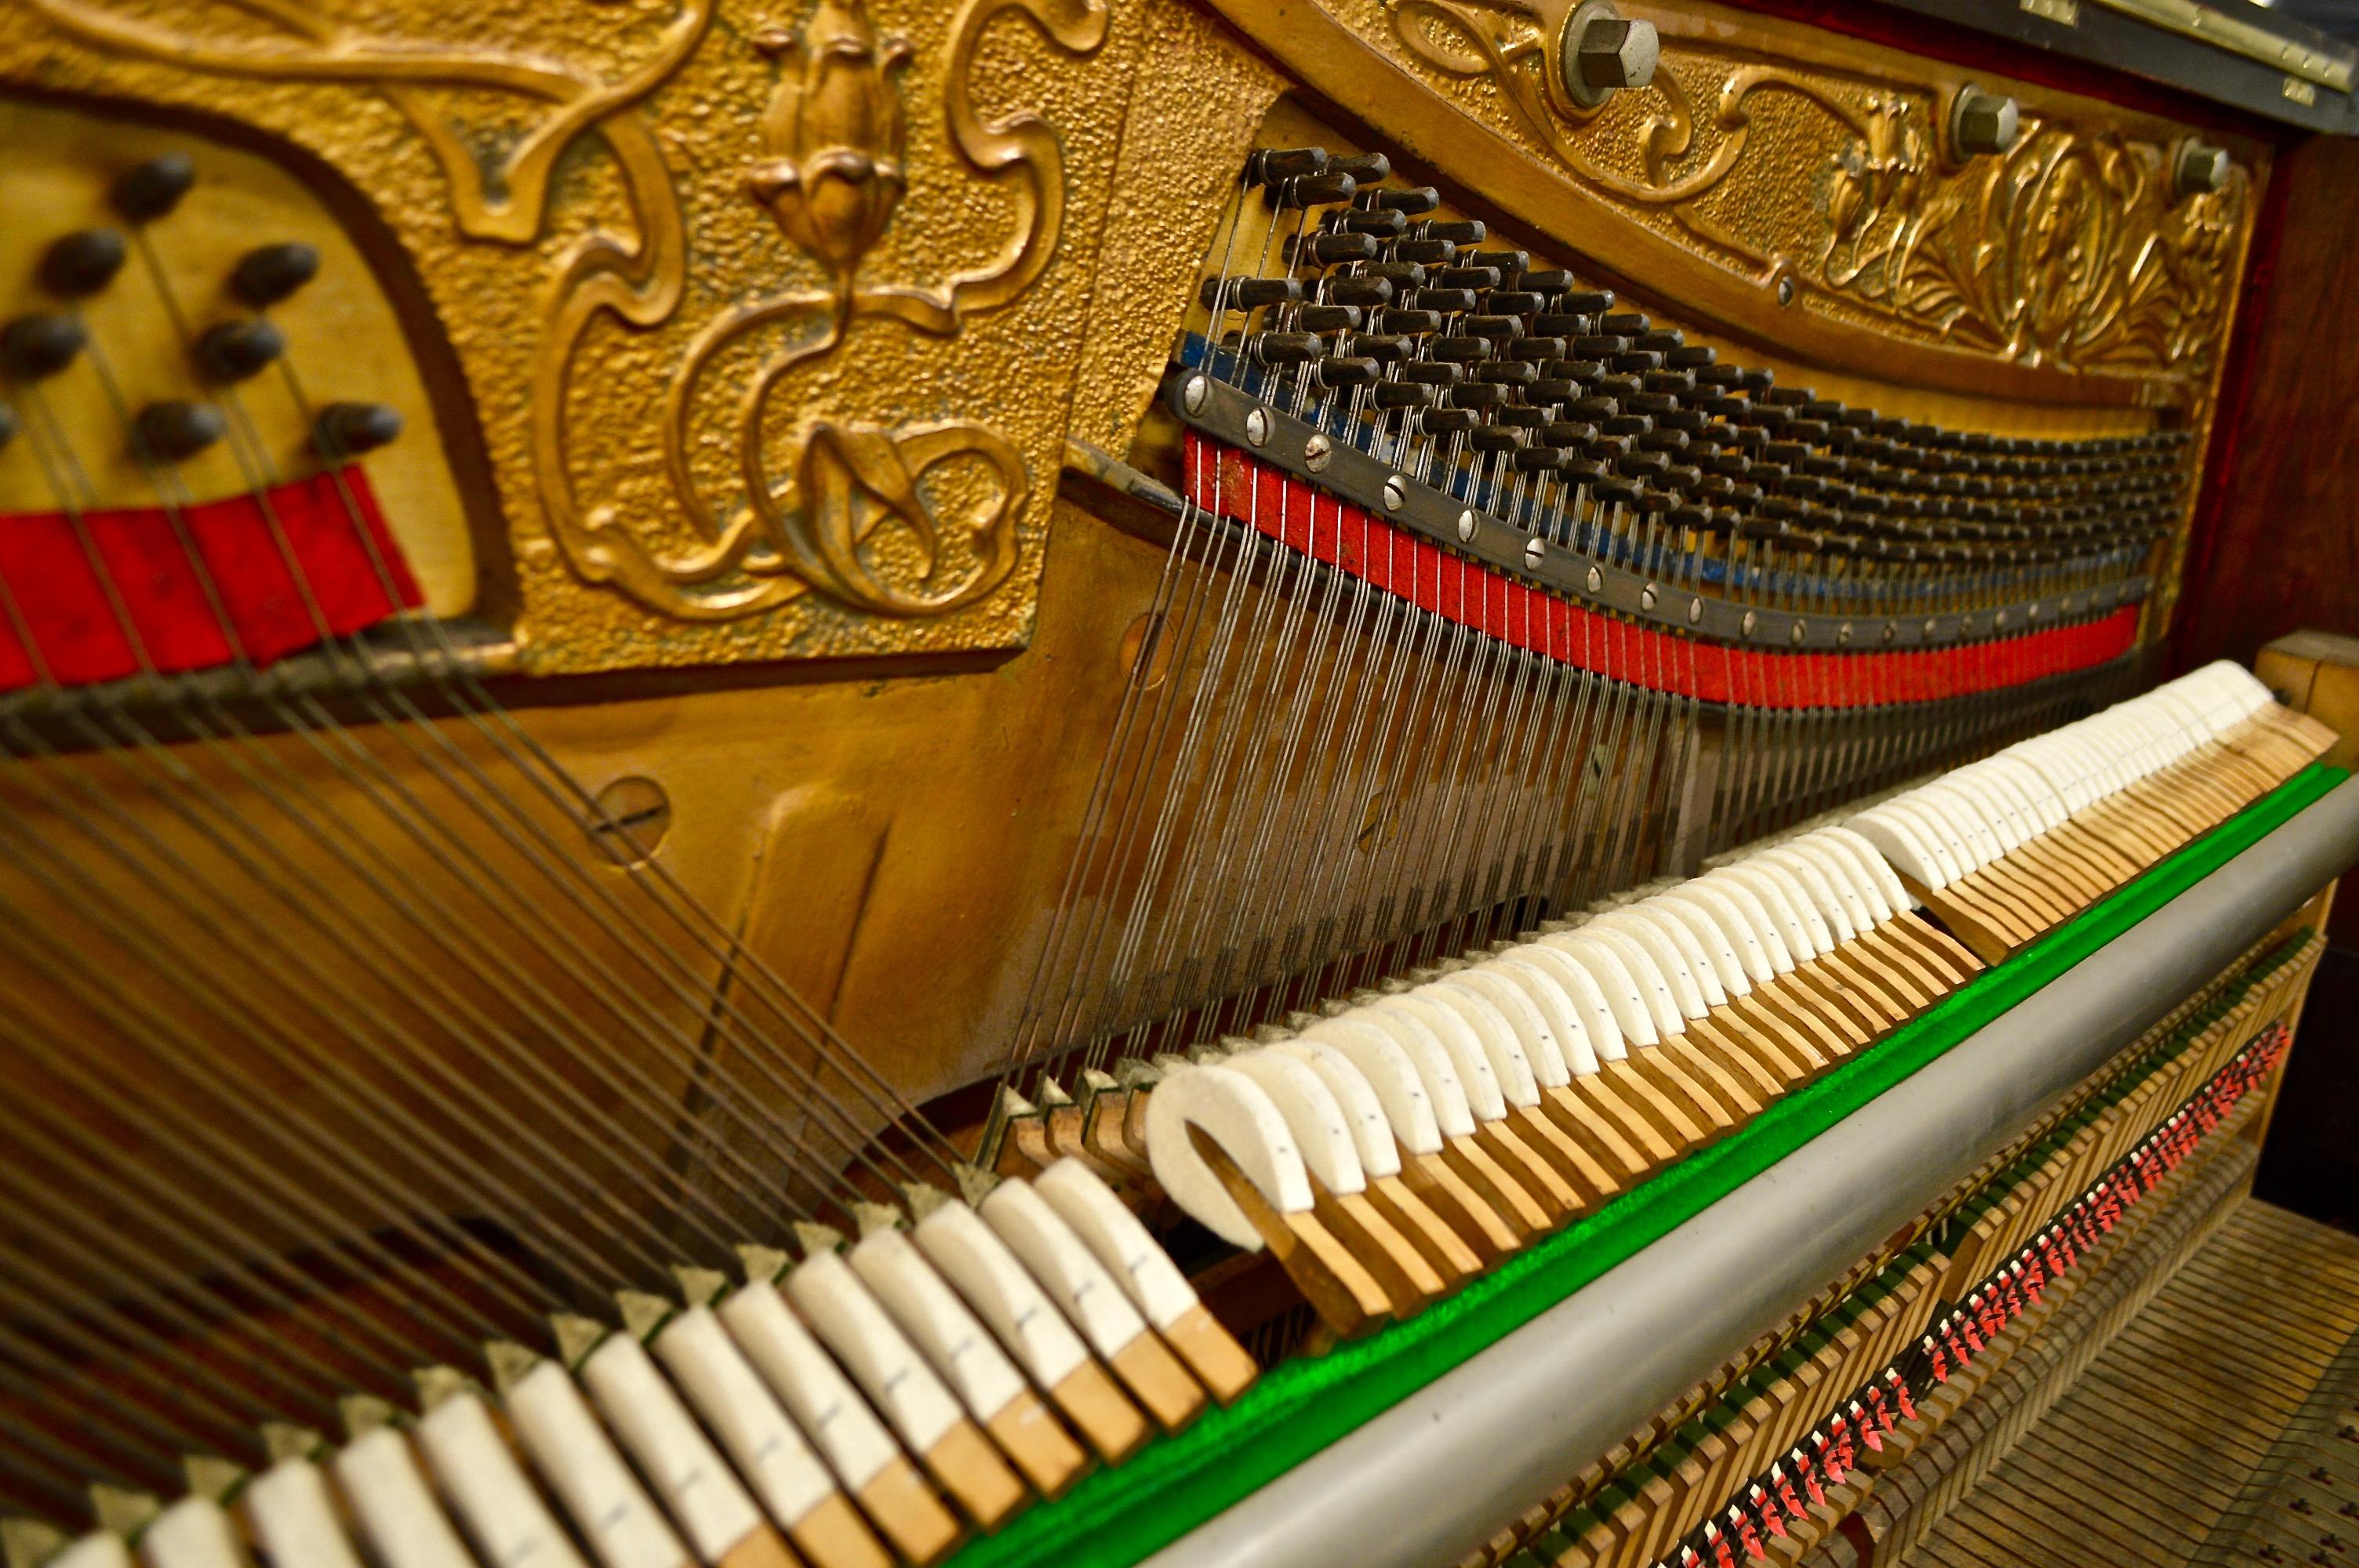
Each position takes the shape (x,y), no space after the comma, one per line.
(1224,479)
(263,575)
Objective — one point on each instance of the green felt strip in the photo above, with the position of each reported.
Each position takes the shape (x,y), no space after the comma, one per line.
(1117,1516)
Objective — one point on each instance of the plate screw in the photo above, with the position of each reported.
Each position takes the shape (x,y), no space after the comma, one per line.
(1396,493)
(1843,636)
(1785,291)
(1646,597)
(1982,123)
(1257,427)
(1317,451)
(1890,630)
(1194,394)
(1749,622)
(1534,550)
(1603,53)
(1596,580)
(1465,523)
(2199,170)
(1695,611)
(1794,633)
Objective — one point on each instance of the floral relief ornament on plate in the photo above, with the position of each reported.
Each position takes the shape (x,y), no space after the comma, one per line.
(830,177)
(2071,249)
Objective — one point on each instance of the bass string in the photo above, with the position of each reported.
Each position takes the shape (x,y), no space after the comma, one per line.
(236,1132)
(712,1004)
(264,1375)
(159,854)
(218,1250)
(485,796)
(298,1138)
(195,1413)
(85,1438)
(293,566)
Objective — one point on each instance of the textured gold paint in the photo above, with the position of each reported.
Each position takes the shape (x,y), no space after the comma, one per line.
(2071,249)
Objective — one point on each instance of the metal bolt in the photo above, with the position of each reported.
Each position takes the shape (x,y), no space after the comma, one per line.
(1785,291)
(2031,611)
(1194,396)
(1695,611)
(1891,630)
(1603,53)
(1982,123)
(1316,452)
(1794,634)
(1396,493)
(1257,427)
(1930,625)
(1750,621)
(1596,580)
(1535,550)
(2198,168)
(1465,519)
(1843,636)
(1646,597)
(1999,619)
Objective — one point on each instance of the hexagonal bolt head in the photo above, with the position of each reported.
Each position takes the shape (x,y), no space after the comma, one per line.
(2199,168)
(1608,53)
(1982,124)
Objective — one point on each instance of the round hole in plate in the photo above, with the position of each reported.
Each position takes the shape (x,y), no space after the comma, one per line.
(631,816)
(1146,652)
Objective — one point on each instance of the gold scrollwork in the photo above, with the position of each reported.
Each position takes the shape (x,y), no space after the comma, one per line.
(831,177)
(2065,250)
(506,200)
(2070,249)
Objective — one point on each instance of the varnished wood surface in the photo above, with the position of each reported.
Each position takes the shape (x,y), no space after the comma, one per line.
(2283,541)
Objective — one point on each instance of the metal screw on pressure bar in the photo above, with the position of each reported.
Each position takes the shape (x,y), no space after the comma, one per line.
(1695,611)
(1465,521)
(1395,493)
(1843,636)
(1316,452)
(1749,623)
(1596,580)
(1257,427)
(1535,551)
(1194,394)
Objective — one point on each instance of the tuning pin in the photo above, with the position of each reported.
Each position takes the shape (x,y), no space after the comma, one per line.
(83,262)
(236,350)
(175,431)
(38,346)
(348,429)
(269,274)
(155,187)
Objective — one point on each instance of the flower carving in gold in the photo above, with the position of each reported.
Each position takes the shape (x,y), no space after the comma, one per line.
(2070,249)
(830,176)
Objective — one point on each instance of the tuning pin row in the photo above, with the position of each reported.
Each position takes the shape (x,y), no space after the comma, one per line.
(1400,331)
(82,264)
